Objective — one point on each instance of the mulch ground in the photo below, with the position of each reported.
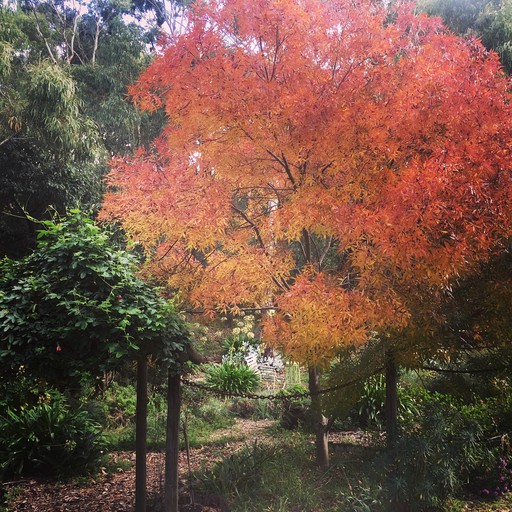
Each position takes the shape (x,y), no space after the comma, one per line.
(115,491)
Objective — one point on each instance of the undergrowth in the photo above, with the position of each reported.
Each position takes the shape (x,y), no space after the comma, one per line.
(282,476)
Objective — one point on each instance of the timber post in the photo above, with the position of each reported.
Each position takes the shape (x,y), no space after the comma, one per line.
(141,434)
(172,443)
(391,400)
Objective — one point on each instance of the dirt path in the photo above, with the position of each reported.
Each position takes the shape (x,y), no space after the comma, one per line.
(115,492)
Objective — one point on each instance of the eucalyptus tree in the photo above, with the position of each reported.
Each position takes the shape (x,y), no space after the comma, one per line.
(48,149)
(64,108)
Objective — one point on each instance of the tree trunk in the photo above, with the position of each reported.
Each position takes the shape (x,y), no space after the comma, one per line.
(319,421)
(391,400)
(172,443)
(141,419)
(392,421)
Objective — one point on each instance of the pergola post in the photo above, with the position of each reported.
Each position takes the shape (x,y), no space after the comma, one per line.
(172,443)
(141,419)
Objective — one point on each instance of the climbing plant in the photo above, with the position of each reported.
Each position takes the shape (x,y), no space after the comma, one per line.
(76,305)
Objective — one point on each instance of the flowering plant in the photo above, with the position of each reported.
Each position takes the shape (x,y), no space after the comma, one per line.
(496,481)
(241,341)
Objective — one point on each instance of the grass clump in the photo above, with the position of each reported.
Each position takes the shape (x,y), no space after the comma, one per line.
(232,378)
(49,438)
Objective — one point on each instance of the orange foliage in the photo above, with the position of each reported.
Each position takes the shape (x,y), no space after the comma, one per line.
(297,129)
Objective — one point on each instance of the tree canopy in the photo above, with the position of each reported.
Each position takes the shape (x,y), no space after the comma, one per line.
(64,70)
(489,19)
(336,160)
(75,305)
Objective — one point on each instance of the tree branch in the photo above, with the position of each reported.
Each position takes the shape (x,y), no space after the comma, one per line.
(38,28)
(284,164)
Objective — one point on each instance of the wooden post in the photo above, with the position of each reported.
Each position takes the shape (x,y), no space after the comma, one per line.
(172,443)
(391,400)
(141,419)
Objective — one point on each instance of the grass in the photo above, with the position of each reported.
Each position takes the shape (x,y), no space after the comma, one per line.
(202,419)
(282,476)
(278,472)
(269,470)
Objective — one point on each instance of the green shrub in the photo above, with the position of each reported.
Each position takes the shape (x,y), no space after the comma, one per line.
(363,498)
(256,409)
(372,403)
(48,437)
(122,403)
(237,473)
(232,378)
(441,451)
(277,477)
(501,410)
(371,406)
(202,414)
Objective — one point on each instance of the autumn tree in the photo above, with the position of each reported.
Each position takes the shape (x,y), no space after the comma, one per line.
(340,161)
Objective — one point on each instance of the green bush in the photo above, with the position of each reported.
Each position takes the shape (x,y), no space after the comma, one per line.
(371,406)
(122,403)
(237,473)
(277,477)
(441,451)
(501,410)
(231,378)
(201,406)
(256,409)
(372,403)
(48,437)
(295,405)
(202,414)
